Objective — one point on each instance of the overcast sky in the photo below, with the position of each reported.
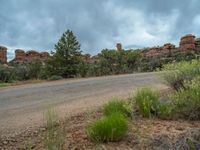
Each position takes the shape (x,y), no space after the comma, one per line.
(98,24)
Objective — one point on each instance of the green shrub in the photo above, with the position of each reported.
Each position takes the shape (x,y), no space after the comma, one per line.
(147,102)
(176,74)
(22,72)
(34,69)
(6,74)
(164,110)
(186,101)
(109,128)
(55,77)
(115,105)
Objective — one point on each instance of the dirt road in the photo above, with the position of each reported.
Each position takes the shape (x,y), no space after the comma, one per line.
(23,107)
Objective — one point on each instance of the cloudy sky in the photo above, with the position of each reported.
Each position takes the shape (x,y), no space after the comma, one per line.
(98,24)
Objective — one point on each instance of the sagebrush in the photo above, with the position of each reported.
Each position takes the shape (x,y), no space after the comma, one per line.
(186,102)
(175,74)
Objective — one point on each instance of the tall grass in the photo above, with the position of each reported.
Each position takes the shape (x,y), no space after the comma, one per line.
(109,128)
(54,133)
(147,102)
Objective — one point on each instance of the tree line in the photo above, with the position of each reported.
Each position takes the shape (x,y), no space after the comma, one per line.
(67,61)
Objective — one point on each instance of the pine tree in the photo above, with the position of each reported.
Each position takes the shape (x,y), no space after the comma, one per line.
(67,55)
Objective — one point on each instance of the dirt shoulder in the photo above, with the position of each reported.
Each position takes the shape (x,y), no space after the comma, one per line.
(148,134)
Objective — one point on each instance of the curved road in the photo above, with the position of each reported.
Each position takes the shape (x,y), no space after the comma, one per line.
(23,106)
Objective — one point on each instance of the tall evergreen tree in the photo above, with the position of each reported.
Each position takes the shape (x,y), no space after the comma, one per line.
(67,55)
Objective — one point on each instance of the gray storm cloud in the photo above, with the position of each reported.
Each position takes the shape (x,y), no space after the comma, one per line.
(97,24)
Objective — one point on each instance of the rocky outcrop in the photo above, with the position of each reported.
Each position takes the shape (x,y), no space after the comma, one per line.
(32,55)
(119,47)
(26,57)
(187,43)
(20,55)
(197,45)
(44,55)
(166,50)
(3,55)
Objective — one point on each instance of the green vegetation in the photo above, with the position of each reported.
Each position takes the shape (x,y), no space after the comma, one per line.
(108,129)
(3,85)
(6,74)
(67,61)
(165,110)
(184,77)
(147,102)
(115,105)
(185,103)
(55,77)
(176,74)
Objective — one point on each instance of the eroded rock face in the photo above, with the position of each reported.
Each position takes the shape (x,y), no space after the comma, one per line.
(187,43)
(32,55)
(168,46)
(164,51)
(20,55)
(197,45)
(119,47)
(44,55)
(26,57)
(3,55)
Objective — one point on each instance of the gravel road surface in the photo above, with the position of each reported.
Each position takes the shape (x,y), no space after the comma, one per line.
(22,107)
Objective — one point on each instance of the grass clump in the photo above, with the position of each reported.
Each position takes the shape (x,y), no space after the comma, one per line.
(116,105)
(3,85)
(147,102)
(108,129)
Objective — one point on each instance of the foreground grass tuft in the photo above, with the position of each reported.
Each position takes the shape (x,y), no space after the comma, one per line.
(116,105)
(147,102)
(54,135)
(108,129)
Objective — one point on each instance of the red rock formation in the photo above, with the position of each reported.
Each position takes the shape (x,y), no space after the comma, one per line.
(187,43)
(168,46)
(166,50)
(197,45)
(153,52)
(3,55)
(44,55)
(20,56)
(119,47)
(32,55)
(29,56)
